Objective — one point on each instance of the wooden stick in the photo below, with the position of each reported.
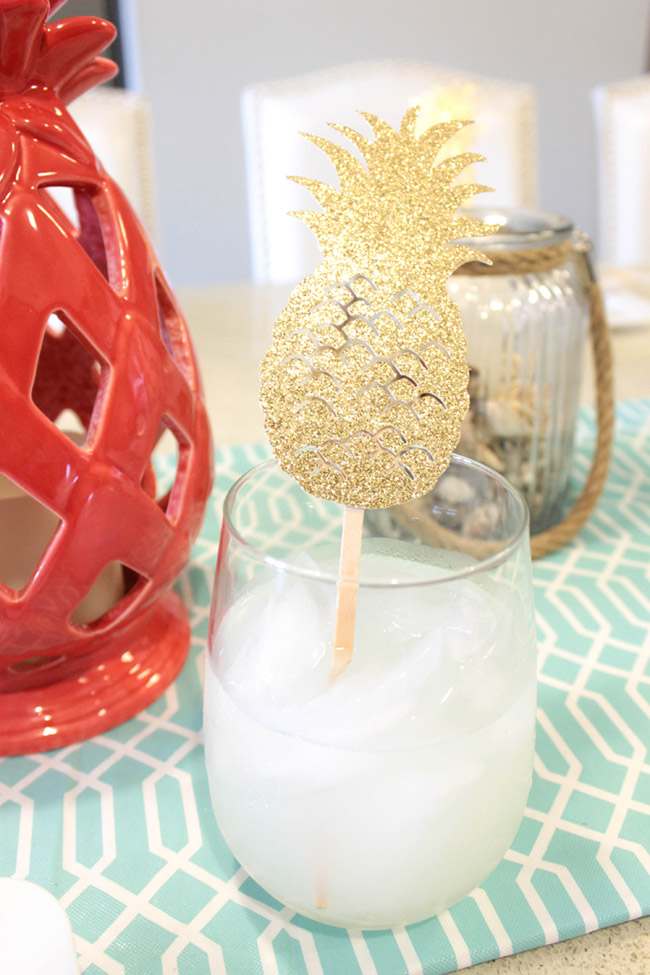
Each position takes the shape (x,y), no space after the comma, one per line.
(346,603)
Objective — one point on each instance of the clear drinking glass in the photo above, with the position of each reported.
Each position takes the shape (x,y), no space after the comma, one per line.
(385,795)
(526,335)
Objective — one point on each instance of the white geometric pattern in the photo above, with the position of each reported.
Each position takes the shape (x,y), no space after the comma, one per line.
(121,829)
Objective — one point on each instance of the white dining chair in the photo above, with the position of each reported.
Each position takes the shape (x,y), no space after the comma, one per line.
(117,125)
(274,115)
(622,120)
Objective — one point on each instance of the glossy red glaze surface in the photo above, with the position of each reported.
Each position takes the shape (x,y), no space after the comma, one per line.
(122,363)
(135,667)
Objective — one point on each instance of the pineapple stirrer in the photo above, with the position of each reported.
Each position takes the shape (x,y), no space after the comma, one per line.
(364,387)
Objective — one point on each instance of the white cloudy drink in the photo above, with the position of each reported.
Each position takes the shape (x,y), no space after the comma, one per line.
(384,797)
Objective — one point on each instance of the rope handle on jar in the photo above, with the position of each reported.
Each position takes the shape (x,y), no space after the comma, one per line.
(542,259)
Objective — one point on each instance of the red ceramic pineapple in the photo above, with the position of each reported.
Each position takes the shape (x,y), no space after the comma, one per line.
(91,339)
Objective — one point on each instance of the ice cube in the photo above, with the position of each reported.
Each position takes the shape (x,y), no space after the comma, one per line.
(375,701)
(275,643)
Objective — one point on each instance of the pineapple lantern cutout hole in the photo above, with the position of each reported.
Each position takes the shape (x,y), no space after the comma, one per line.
(26,526)
(365,385)
(67,383)
(105,454)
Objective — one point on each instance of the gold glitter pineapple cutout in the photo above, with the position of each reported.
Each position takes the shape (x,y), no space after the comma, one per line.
(364,387)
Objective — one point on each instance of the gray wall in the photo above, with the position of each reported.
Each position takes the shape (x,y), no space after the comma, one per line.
(192,58)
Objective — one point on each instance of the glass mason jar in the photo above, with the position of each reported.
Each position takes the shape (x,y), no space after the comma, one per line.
(526,327)
(384,794)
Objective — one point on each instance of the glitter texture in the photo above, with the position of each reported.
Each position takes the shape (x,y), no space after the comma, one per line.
(364,388)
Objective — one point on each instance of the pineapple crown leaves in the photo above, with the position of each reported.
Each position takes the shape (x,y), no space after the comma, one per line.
(397,207)
(62,56)
(42,68)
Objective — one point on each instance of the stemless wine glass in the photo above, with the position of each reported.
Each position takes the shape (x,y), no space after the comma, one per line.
(383,795)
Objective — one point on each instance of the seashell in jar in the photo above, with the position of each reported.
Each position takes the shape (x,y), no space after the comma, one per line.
(507,419)
(485,455)
(482,521)
(453,490)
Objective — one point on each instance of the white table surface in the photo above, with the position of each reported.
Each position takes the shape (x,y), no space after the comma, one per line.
(231,328)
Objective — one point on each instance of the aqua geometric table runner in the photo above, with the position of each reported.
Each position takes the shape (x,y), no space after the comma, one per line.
(120,828)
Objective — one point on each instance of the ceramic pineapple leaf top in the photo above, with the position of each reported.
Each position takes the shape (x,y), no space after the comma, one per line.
(364,387)
(62,56)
